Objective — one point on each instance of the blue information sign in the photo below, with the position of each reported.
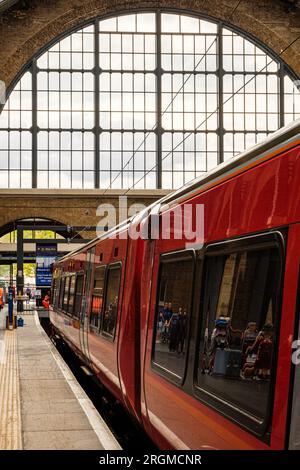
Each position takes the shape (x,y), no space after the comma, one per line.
(45,257)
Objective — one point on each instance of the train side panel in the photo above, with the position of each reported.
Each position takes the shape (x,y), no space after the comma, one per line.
(256,201)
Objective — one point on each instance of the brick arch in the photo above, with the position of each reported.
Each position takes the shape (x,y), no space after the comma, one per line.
(44,21)
(10,224)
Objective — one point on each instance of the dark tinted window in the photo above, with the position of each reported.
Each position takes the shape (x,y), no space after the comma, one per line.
(71,294)
(78,295)
(97,296)
(61,291)
(54,292)
(172,315)
(237,335)
(111,302)
(66,294)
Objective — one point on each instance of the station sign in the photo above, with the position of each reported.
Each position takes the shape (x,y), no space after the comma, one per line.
(45,257)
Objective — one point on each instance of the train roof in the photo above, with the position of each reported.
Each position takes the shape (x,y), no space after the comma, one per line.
(287,135)
(275,141)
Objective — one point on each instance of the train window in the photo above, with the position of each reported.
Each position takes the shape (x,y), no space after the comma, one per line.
(172,315)
(78,295)
(66,294)
(61,292)
(294,438)
(109,320)
(97,296)
(56,292)
(237,335)
(54,289)
(71,294)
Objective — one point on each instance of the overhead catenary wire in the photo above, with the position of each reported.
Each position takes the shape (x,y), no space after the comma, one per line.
(190,74)
(211,114)
(174,97)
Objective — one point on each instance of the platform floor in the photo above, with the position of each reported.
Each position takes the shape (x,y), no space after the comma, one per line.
(42,406)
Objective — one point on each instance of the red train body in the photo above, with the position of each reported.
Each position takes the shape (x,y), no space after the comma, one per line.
(241,285)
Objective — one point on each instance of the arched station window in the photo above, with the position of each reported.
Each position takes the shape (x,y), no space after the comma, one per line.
(143,100)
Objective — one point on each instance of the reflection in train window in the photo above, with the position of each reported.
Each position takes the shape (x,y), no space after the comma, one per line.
(97,296)
(111,302)
(78,295)
(61,292)
(71,294)
(237,335)
(172,315)
(54,292)
(66,294)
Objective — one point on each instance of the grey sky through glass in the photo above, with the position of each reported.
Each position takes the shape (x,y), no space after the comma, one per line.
(100,108)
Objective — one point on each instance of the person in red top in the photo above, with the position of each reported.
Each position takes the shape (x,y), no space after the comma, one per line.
(46,302)
(1,298)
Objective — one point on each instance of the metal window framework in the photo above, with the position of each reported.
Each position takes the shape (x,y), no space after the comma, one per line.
(283,70)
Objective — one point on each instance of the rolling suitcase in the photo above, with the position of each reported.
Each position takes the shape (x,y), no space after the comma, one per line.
(220,362)
(234,362)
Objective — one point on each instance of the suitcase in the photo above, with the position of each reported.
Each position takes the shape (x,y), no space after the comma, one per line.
(220,362)
(234,363)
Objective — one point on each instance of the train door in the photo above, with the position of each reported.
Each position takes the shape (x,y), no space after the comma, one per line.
(84,317)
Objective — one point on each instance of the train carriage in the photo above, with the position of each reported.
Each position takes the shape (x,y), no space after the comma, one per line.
(200,346)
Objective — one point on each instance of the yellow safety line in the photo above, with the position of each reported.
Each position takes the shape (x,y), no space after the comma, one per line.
(10,407)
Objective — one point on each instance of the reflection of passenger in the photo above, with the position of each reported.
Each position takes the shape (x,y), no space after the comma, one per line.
(167,315)
(249,338)
(234,336)
(112,318)
(218,339)
(160,324)
(174,330)
(261,352)
(182,330)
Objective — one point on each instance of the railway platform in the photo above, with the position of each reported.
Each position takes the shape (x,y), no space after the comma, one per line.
(42,404)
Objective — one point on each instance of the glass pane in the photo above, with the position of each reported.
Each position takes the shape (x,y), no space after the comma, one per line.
(97,296)
(237,336)
(111,304)
(172,317)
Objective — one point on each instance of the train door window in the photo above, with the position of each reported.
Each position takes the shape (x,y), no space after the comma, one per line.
(71,294)
(294,438)
(54,291)
(78,295)
(236,353)
(97,297)
(66,294)
(61,292)
(109,320)
(173,311)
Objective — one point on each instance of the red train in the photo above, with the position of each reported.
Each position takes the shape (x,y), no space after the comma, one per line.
(196,340)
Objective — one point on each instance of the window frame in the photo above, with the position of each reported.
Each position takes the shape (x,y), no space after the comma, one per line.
(174,256)
(61,292)
(94,328)
(111,266)
(78,274)
(283,71)
(293,378)
(67,280)
(70,313)
(272,239)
